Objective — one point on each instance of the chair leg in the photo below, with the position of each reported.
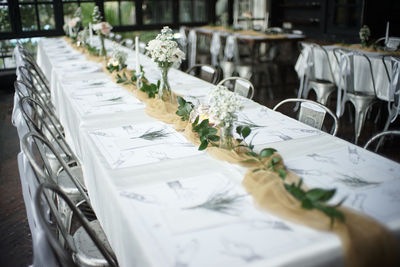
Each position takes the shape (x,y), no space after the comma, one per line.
(360,118)
(360,115)
(385,128)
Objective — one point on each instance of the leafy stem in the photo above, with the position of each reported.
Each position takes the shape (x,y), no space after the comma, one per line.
(207,133)
(184,108)
(316,199)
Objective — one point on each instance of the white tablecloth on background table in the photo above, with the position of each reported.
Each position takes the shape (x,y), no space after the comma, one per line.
(147,209)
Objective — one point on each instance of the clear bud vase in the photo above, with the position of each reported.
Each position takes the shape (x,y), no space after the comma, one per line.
(164,91)
(103,51)
(226,139)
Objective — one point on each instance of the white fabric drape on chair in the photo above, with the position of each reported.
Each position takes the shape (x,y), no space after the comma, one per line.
(215,47)
(231,51)
(192,48)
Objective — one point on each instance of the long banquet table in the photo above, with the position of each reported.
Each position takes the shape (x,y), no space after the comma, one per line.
(146,193)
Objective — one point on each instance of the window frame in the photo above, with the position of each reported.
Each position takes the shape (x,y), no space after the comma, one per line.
(16,22)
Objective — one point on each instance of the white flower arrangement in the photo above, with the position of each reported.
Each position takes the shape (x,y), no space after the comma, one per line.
(102,27)
(164,50)
(224,105)
(117,60)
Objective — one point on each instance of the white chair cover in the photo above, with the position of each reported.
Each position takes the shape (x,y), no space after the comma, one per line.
(16,118)
(42,253)
(183,39)
(215,47)
(231,51)
(192,47)
(395,88)
(345,71)
(304,66)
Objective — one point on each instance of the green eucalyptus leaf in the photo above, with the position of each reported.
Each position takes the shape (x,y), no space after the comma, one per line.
(203,145)
(213,138)
(282,173)
(275,160)
(239,130)
(246,131)
(181,101)
(307,204)
(266,152)
(318,194)
(195,121)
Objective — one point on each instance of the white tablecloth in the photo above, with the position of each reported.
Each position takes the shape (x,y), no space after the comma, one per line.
(145,199)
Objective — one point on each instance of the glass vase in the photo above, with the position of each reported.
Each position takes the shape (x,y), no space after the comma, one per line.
(164,91)
(226,138)
(103,51)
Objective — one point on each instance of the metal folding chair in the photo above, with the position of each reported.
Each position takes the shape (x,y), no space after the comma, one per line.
(312,113)
(205,72)
(87,246)
(239,85)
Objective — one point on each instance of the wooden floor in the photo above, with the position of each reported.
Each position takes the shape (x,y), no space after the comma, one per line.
(15,239)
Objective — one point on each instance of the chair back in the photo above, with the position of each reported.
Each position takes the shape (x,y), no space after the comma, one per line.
(312,113)
(239,85)
(393,76)
(322,65)
(205,72)
(38,119)
(45,195)
(39,161)
(379,135)
(30,76)
(364,77)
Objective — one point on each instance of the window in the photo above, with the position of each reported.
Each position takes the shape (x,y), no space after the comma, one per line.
(157,11)
(70,6)
(192,11)
(120,13)
(36,15)
(5,25)
(31,18)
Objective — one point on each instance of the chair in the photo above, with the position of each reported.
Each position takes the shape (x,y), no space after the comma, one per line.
(38,119)
(361,99)
(30,61)
(29,76)
(391,45)
(68,177)
(394,93)
(322,86)
(87,246)
(24,89)
(312,113)
(205,72)
(380,136)
(239,85)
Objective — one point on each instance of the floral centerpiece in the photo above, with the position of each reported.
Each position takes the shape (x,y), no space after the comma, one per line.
(248,16)
(117,61)
(365,33)
(102,28)
(223,109)
(83,36)
(73,25)
(165,52)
